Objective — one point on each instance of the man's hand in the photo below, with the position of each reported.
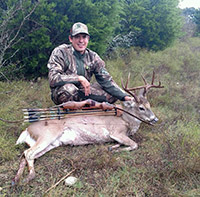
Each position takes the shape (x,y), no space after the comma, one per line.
(86,85)
(128,98)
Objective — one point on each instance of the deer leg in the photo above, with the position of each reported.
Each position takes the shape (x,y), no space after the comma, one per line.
(39,149)
(31,170)
(30,156)
(123,139)
(111,148)
(20,171)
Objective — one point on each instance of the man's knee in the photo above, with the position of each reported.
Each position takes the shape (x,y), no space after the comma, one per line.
(68,92)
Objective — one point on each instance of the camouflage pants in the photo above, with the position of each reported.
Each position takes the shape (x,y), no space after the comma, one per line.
(69,92)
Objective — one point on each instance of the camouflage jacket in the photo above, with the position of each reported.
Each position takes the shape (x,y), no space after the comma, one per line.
(66,64)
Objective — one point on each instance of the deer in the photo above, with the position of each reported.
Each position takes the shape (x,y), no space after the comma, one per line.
(43,136)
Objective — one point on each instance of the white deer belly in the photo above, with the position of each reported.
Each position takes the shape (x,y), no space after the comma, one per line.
(82,136)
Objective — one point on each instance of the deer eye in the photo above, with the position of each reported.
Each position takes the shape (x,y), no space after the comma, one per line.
(141,109)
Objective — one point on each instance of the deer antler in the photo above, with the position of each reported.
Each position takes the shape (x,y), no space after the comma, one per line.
(128,90)
(146,86)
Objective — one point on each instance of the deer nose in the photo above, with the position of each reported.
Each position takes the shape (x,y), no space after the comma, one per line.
(155,120)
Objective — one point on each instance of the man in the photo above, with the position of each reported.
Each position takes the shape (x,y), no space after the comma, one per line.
(71,68)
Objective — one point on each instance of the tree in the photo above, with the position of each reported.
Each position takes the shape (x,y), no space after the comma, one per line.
(41,34)
(157,21)
(189,26)
(9,32)
(197,21)
(189,13)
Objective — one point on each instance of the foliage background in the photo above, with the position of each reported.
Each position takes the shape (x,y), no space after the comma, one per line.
(152,24)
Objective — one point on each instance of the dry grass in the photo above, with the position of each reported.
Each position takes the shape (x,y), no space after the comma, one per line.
(167,162)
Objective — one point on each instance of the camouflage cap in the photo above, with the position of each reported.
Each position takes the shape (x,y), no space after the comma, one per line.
(78,28)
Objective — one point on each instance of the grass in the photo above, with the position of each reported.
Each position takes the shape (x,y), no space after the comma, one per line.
(167,161)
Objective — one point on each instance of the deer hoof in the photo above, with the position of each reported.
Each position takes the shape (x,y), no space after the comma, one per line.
(15,181)
(29,178)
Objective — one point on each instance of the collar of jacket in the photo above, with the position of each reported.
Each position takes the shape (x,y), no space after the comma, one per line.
(78,55)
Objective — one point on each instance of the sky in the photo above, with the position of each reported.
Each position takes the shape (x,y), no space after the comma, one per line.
(189,3)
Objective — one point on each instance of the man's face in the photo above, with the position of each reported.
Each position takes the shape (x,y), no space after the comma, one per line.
(79,42)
